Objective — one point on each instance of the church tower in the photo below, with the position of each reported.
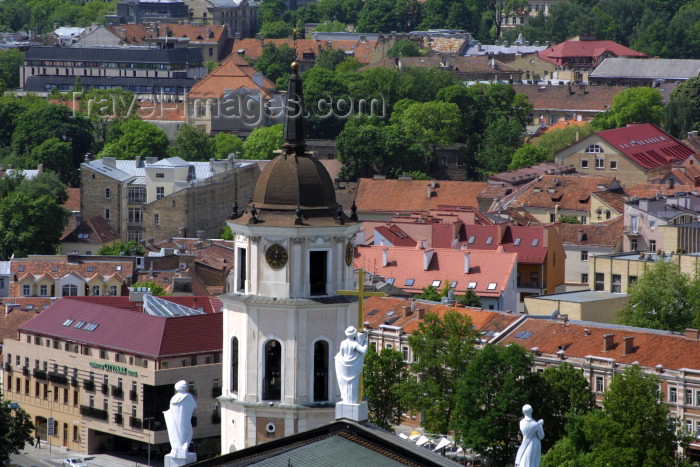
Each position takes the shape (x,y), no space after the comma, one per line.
(284,321)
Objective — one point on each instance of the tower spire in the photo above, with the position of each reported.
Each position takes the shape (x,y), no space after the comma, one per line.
(294,131)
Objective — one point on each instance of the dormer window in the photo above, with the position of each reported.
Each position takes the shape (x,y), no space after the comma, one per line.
(594,149)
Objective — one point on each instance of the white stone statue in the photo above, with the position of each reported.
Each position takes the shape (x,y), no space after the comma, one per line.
(178,419)
(530,449)
(348,364)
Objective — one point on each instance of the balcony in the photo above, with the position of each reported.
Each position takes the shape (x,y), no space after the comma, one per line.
(105,389)
(25,370)
(117,392)
(215,392)
(92,412)
(40,374)
(133,396)
(74,382)
(118,418)
(8,367)
(58,378)
(89,385)
(532,285)
(135,422)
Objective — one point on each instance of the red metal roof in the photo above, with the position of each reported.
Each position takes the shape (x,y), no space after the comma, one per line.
(529,251)
(647,145)
(128,331)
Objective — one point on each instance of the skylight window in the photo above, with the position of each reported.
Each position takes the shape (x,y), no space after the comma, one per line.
(79,324)
(516,242)
(471,239)
(523,335)
(472,285)
(536,242)
(373,312)
(391,320)
(390,313)
(68,322)
(489,240)
(91,327)
(492,286)
(436,283)
(409,282)
(489,333)
(390,281)
(453,284)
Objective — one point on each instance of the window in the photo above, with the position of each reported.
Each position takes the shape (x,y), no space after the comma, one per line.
(616,283)
(26,290)
(136,194)
(613,165)
(594,149)
(134,235)
(404,349)
(107,193)
(95,290)
(135,215)
(633,244)
(516,242)
(584,256)
(652,245)
(584,163)
(584,219)
(20,268)
(489,240)
(599,384)
(318,270)
(160,175)
(552,217)
(272,375)
(107,214)
(471,239)
(211,51)
(537,8)
(491,286)
(234,365)
(632,279)
(471,285)
(688,397)
(112,292)
(160,192)
(673,394)
(436,283)
(634,224)
(44,290)
(599,281)
(156,219)
(652,224)
(69,290)
(320,371)
(409,282)
(599,163)
(535,242)
(584,278)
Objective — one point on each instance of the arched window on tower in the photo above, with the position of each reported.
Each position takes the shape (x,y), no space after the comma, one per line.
(320,371)
(234,365)
(272,379)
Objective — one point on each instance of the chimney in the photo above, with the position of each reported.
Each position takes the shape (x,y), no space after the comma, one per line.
(628,343)
(40,168)
(586,332)
(407,311)
(138,161)
(467,261)
(692,334)
(427,257)
(385,256)
(608,342)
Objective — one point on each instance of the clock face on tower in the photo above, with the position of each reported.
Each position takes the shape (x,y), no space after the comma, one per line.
(276,256)
(349,253)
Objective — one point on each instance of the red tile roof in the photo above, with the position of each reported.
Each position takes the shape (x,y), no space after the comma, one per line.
(95,230)
(650,190)
(231,75)
(531,246)
(483,320)
(563,52)
(444,264)
(606,234)
(395,235)
(128,331)
(571,192)
(377,195)
(135,34)
(579,340)
(647,145)
(573,98)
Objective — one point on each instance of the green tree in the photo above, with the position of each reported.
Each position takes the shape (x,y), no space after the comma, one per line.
(211,65)
(262,141)
(529,155)
(496,383)
(330,58)
(156,290)
(469,299)
(226,233)
(46,183)
(432,123)
(348,65)
(571,219)
(430,292)
(270,10)
(16,429)
(331,26)
(192,144)
(555,140)
(10,63)
(30,225)
(683,108)
(659,299)
(633,429)
(54,155)
(500,140)
(134,137)
(384,374)
(274,61)
(122,249)
(633,105)
(276,30)
(442,347)
(403,48)
(225,144)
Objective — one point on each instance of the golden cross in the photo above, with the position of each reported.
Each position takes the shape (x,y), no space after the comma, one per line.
(360,293)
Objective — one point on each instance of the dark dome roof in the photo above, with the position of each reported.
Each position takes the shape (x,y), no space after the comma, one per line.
(289,181)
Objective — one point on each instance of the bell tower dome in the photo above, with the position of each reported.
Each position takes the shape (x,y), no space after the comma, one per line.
(283,318)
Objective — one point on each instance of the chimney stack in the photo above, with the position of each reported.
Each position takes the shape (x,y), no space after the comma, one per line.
(608,342)
(385,256)
(467,262)
(692,334)
(628,344)
(427,257)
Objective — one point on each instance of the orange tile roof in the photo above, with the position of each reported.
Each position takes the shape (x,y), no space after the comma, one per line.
(483,320)
(73,202)
(613,200)
(606,233)
(94,230)
(405,263)
(374,195)
(581,339)
(252,48)
(650,190)
(138,33)
(572,192)
(593,99)
(17,311)
(231,75)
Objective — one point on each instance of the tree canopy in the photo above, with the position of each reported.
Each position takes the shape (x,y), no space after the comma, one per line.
(16,430)
(192,144)
(683,109)
(384,374)
(135,138)
(633,105)
(122,249)
(262,141)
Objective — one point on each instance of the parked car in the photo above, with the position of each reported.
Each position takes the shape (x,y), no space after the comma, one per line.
(74,462)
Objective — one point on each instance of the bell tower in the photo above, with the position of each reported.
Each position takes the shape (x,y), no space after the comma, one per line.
(284,320)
